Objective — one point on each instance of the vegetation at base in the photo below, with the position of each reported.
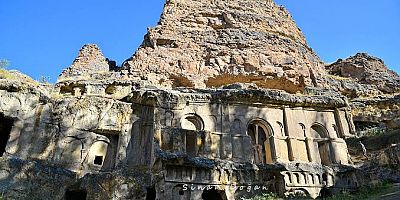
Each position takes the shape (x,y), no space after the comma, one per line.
(372,191)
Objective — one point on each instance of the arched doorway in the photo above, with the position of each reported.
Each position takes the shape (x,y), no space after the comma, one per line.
(192,122)
(195,123)
(321,136)
(213,194)
(260,133)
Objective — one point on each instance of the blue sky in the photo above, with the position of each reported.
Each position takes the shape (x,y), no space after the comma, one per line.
(42,37)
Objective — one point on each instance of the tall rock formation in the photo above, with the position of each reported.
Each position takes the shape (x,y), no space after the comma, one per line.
(90,60)
(367,70)
(211,43)
(373,90)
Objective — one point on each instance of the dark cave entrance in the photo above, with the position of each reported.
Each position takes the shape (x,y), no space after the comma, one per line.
(6,125)
(213,194)
(151,193)
(75,195)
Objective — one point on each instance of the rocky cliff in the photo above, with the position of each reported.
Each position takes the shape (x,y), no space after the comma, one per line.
(373,90)
(212,43)
(90,60)
(364,75)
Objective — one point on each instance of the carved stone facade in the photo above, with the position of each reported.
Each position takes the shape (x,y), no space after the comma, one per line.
(224,99)
(178,141)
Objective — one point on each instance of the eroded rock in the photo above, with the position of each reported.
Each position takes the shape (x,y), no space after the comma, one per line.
(214,43)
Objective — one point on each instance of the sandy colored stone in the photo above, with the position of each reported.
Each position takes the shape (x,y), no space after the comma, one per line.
(225,41)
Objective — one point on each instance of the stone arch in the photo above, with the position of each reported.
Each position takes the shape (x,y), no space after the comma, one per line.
(281,129)
(319,131)
(303,129)
(321,135)
(192,122)
(261,134)
(297,178)
(288,177)
(318,179)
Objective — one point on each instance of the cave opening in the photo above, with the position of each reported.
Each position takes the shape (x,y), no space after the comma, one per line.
(75,195)
(213,194)
(151,193)
(6,125)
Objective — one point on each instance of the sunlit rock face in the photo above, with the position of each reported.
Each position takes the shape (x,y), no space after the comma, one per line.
(220,93)
(213,43)
(373,90)
(90,59)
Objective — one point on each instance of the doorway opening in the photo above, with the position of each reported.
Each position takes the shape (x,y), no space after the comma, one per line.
(151,193)
(213,194)
(6,125)
(260,134)
(323,142)
(75,194)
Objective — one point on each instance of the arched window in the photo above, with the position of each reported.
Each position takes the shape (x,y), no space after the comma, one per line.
(319,131)
(283,133)
(260,133)
(192,122)
(303,129)
(321,136)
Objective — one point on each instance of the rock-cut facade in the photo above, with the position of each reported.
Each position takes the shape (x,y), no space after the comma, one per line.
(223,100)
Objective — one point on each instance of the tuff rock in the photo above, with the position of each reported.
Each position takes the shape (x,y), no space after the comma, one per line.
(214,43)
(220,93)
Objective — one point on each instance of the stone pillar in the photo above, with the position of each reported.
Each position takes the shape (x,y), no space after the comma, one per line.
(77,91)
(314,151)
(286,129)
(309,147)
(226,146)
(339,125)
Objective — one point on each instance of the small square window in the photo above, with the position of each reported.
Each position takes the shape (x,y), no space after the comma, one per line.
(98,160)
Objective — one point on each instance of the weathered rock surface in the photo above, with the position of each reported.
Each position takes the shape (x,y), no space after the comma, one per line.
(383,152)
(125,134)
(382,109)
(213,43)
(89,60)
(372,89)
(366,71)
